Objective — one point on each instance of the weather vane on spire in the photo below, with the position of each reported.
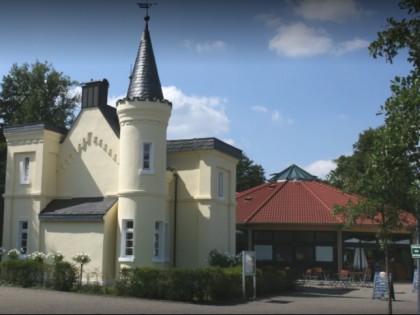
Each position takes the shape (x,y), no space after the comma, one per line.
(146,6)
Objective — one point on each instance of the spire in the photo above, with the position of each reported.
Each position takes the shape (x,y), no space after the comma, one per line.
(293,172)
(144,81)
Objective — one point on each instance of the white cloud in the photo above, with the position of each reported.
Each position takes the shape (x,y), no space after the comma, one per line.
(327,10)
(321,168)
(74,90)
(259,109)
(112,100)
(208,46)
(275,115)
(280,120)
(193,116)
(350,46)
(196,116)
(299,40)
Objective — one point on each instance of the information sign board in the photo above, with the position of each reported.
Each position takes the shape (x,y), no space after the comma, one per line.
(380,286)
(249,268)
(249,263)
(415,250)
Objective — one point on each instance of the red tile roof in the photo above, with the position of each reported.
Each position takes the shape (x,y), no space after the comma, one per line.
(293,202)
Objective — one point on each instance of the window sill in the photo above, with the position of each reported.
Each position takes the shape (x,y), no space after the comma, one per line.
(126,259)
(147,172)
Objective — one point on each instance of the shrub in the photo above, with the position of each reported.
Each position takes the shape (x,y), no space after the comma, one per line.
(37,256)
(225,283)
(187,284)
(13,254)
(212,283)
(122,285)
(55,257)
(64,276)
(224,260)
(25,273)
(149,283)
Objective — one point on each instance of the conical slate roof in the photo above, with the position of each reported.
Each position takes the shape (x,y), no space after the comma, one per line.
(144,81)
(291,173)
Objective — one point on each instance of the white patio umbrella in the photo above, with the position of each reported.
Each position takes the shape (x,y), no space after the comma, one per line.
(360,261)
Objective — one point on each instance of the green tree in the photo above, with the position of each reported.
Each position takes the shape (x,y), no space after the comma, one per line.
(390,180)
(349,168)
(37,93)
(29,94)
(248,174)
(383,188)
(402,109)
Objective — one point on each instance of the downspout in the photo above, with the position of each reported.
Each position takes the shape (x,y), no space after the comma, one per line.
(175,216)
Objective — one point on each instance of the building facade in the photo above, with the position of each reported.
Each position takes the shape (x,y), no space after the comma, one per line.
(114,187)
(289,222)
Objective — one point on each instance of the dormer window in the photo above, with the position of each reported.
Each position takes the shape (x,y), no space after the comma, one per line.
(147,158)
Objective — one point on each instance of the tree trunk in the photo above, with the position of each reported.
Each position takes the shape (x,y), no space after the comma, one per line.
(387,269)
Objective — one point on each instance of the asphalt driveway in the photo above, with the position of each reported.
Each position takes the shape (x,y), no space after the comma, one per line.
(308,300)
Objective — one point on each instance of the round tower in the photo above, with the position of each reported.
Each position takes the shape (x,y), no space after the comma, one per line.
(142,207)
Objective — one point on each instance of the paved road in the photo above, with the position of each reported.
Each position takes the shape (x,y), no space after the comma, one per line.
(319,300)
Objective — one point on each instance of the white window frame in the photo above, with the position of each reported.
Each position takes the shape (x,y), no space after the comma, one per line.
(144,159)
(23,248)
(221,185)
(124,257)
(25,170)
(160,241)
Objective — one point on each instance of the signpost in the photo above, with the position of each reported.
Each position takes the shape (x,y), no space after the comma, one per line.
(415,254)
(249,268)
(415,250)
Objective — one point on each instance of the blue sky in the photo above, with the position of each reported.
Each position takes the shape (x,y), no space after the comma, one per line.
(286,81)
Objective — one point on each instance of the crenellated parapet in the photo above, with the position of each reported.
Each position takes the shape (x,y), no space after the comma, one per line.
(142,99)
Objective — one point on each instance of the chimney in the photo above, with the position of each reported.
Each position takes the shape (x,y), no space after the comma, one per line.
(95,93)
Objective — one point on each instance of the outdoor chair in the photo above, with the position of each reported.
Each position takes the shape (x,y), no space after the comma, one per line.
(310,276)
(366,277)
(344,278)
(320,274)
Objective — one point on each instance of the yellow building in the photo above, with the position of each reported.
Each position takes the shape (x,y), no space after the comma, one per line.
(115,188)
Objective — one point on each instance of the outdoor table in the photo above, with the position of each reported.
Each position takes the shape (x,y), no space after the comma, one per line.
(357,276)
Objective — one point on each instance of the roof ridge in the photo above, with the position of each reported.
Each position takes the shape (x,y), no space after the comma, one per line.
(318,198)
(252,189)
(339,190)
(249,190)
(275,191)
